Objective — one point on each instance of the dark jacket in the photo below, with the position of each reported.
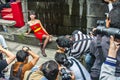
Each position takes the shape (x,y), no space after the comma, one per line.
(100,58)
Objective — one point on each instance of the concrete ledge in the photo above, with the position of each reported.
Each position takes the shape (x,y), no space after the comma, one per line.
(7,22)
(27,39)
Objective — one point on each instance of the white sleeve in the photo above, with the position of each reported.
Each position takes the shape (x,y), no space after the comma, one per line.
(108,70)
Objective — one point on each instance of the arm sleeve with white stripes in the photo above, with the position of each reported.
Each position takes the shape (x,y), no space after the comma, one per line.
(108,70)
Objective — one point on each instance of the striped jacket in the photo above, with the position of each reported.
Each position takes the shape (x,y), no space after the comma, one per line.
(108,69)
(81,44)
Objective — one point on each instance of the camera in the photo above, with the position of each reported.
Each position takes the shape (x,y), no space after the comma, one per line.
(26,50)
(100,22)
(108,31)
(65,75)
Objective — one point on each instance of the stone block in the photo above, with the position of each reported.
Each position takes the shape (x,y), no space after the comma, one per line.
(96,1)
(96,9)
(63,30)
(8,36)
(27,39)
(92,21)
(24,6)
(67,21)
(22,29)
(75,20)
(7,22)
(25,15)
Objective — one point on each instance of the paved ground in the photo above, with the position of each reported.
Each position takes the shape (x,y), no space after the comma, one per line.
(14,47)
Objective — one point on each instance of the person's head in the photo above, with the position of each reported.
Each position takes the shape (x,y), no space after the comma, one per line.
(32,15)
(62,59)
(50,70)
(64,42)
(114,19)
(21,56)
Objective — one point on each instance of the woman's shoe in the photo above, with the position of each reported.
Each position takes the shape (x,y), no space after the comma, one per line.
(43,53)
(43,50)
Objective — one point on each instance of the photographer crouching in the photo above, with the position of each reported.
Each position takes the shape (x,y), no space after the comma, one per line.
(74,45)
(101,45)
(73,65)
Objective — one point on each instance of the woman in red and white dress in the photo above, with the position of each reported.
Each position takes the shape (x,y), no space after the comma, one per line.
(39,32)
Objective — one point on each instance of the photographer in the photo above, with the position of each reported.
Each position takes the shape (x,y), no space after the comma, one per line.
(100,46)
(110,4)
(5,62)
(73,65)
(109,66)
(74,45)
(47,71)
(3,44)
(22,59)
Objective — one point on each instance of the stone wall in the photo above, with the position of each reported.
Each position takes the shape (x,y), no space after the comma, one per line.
(25,10)
(58,18)
(95,11)
(63,16)
(27,39)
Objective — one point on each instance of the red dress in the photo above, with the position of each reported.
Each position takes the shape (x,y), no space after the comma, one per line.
(38,31)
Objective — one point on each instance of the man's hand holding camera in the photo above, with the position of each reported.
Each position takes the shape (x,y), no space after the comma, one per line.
(31,53)
(26,49)
(62,50)
(66,75)
(114,46)
(10,55)
(72,76)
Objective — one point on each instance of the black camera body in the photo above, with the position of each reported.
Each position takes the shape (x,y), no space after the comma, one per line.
(101,22)
(26,50)
(108,31)
(65,75)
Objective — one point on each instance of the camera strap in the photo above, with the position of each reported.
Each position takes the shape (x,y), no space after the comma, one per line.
(29,75)
(81,71)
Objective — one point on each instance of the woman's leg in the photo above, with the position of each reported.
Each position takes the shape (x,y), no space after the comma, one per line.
(46,37)
(50,39)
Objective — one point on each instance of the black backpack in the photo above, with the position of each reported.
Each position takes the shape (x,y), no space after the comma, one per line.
(18,75)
